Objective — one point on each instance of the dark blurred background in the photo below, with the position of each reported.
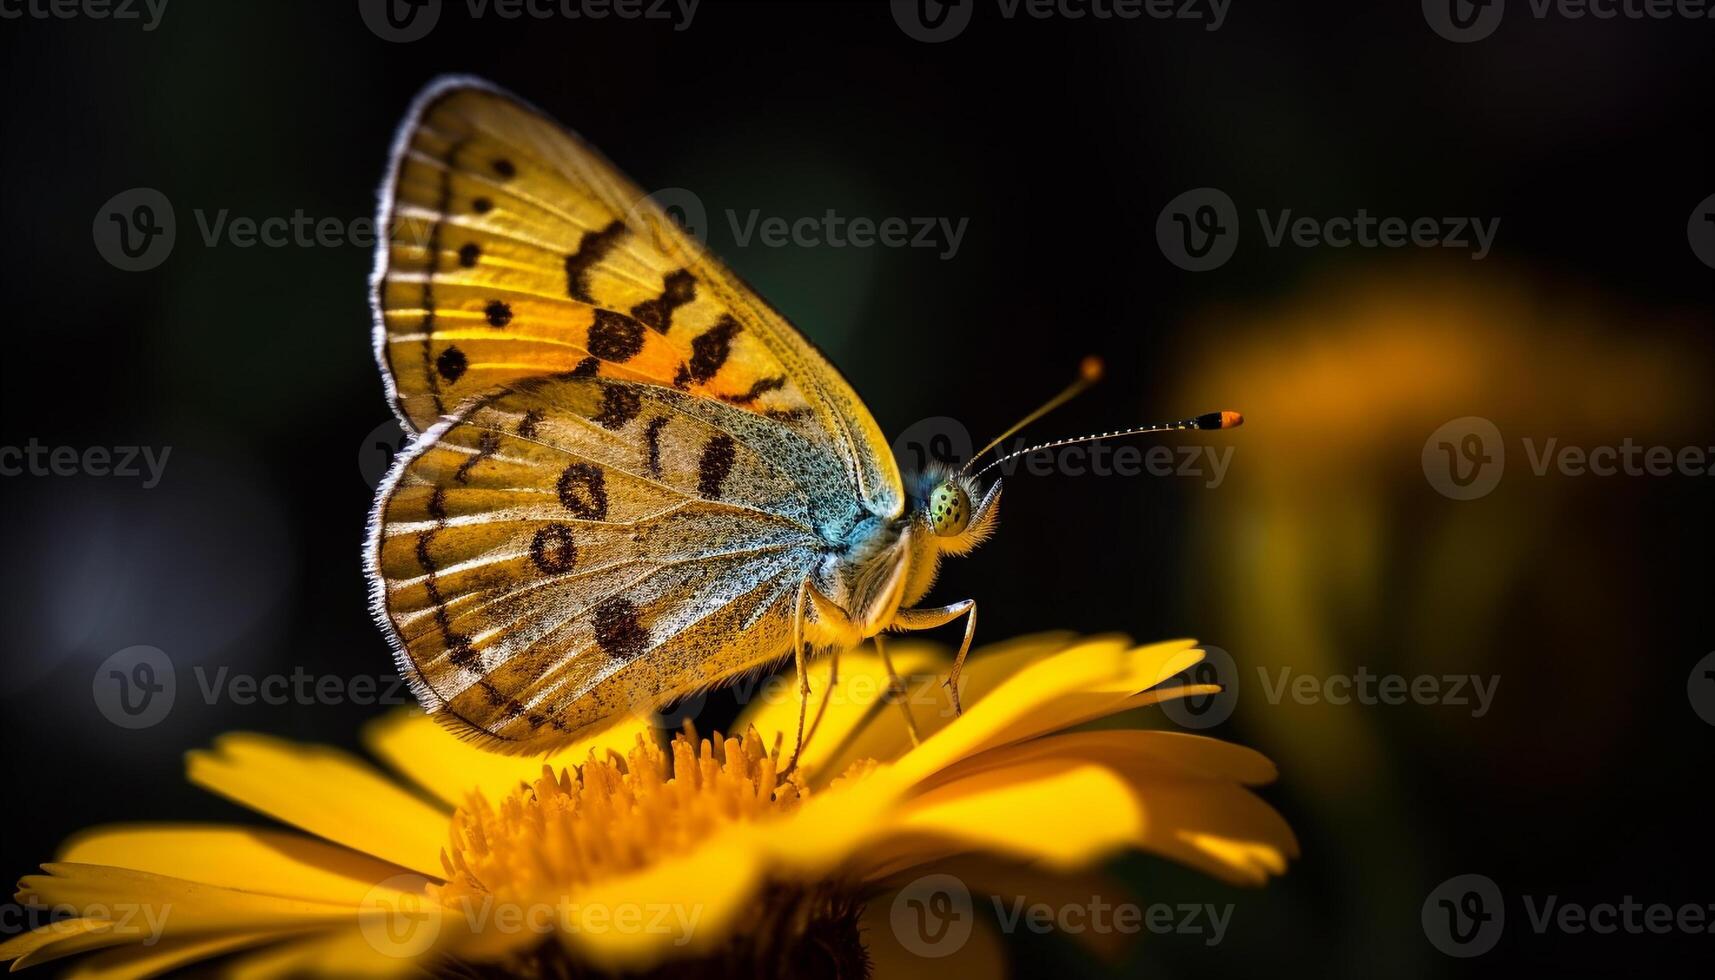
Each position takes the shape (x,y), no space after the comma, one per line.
(1328,545)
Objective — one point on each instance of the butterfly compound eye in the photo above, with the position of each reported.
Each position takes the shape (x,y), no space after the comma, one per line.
(949,510)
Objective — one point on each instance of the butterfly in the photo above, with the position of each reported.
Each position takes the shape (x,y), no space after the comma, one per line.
(630,478)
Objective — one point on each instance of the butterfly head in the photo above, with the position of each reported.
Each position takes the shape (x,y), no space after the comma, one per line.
(956,512)
(949,509)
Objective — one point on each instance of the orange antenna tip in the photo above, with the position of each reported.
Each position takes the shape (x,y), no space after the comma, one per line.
(1091,369)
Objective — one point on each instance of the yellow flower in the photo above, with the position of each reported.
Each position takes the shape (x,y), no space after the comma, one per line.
(619,853)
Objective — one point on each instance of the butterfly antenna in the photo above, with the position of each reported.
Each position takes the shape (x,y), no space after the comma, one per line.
(1089,372)
(1211,420)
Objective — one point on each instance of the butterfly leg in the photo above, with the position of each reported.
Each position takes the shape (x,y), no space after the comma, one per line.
(803,673)
(822,708)
(896,691)
(925,619)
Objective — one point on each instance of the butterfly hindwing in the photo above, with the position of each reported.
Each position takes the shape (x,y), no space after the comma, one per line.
(515,250)
(571,549)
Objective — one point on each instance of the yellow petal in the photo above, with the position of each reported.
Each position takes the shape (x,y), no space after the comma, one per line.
(1091,810)
(132,962)
(142,905)
(62,938)
(1159,754)
(882,734)
(340,953)
(1187,787)
(1044,693)
(248,859)
(684,906)
(422,750)
(327,793)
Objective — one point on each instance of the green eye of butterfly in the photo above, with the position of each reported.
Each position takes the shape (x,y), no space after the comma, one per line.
(949,510)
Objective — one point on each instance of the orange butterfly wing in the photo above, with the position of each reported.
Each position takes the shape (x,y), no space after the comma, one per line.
(515,250)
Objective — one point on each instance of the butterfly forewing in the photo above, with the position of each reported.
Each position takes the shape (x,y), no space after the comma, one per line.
(516,251)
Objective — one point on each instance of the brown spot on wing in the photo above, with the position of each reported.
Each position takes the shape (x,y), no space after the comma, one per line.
(618,631)
(614,336)
(553,549)
(527,425)
(592,248)
(619,405)
(583,491)
(677,289)
(652,438)
(451,365)
(714,465)
(710,349)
